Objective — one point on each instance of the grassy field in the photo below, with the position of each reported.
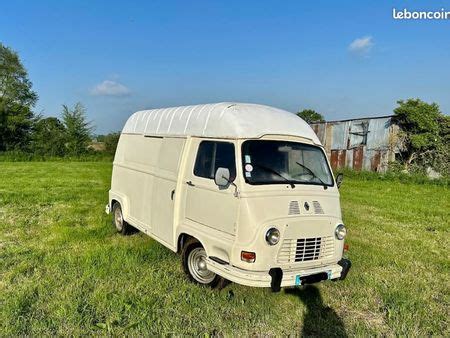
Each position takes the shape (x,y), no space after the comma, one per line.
(64,270)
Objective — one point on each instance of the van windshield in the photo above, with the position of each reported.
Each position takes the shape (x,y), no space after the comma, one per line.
(281,162)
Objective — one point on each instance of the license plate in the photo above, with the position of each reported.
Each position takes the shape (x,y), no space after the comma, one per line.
(299,279)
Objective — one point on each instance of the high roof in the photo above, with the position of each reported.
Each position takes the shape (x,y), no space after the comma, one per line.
(221,120)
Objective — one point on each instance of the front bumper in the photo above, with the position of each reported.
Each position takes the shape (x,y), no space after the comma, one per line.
(274,278)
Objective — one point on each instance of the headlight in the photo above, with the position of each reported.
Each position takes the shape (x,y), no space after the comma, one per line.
(272,236)
(341,231)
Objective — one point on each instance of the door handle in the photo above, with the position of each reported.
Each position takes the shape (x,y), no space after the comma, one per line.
(171,194)
(190,183)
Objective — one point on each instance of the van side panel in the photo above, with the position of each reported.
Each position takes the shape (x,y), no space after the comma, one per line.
(133,176)
(164,189)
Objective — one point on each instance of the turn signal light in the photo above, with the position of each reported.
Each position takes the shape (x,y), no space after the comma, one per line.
(248,256)
(346,247)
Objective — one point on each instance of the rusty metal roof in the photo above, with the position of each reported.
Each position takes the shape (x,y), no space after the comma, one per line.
(358,118)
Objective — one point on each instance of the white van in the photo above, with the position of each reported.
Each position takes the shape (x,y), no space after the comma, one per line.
(243,191)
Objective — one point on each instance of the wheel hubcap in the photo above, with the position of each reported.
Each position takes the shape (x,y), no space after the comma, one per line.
(118,219)
(197,266)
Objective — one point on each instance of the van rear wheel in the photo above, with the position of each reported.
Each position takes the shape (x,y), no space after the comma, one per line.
(194,265)
(119,223)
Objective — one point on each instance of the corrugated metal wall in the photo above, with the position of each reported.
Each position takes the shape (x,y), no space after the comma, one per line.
(361,144)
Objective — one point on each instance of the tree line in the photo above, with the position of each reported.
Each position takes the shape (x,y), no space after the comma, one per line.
(423,138)
(21,130)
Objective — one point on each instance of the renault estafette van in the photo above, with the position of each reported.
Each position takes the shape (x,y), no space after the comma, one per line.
(243,191)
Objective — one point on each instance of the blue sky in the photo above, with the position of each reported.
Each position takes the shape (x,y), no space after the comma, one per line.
(342,58)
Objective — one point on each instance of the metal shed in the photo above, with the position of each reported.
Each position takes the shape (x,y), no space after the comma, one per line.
(362,144)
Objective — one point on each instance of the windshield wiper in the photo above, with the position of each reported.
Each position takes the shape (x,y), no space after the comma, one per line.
(270,170)
(312,173)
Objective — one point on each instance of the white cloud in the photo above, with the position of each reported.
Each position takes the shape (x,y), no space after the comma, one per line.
(361,46)
(110,88)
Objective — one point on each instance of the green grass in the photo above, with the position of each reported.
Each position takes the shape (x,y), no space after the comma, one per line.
(64,270)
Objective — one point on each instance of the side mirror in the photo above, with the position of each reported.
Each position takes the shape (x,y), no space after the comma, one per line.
(222,177)
(339,179)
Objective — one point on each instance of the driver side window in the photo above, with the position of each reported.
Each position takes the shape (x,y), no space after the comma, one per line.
(212,155)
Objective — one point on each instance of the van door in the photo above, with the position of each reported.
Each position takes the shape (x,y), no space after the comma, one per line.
(164,185)
(206,203)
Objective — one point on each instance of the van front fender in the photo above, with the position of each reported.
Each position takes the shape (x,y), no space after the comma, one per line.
(216,243)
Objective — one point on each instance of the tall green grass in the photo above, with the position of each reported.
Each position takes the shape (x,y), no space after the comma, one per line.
(64,270)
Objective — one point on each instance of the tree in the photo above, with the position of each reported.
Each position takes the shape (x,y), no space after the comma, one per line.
(441,160)
(16,101)
(111,141)
(423,133)
(78,129)
(48,137)
(310,116)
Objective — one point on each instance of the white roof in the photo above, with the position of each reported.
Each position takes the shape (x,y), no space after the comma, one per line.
(221,120)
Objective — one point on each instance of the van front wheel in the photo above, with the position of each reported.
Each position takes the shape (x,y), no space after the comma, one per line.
(194,265)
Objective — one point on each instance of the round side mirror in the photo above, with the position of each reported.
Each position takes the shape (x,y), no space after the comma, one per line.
(222,177)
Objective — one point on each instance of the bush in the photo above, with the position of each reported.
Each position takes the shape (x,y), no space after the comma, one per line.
(21,156)
(424,134)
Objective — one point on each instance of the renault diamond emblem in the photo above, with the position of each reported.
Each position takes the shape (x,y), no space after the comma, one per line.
(306,205)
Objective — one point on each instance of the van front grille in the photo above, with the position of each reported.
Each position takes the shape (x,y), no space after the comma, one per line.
(306,249)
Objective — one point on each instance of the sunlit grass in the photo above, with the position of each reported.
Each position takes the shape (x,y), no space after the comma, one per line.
(64,270)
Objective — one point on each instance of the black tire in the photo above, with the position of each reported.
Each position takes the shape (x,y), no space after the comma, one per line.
(193,247)
(119,222)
